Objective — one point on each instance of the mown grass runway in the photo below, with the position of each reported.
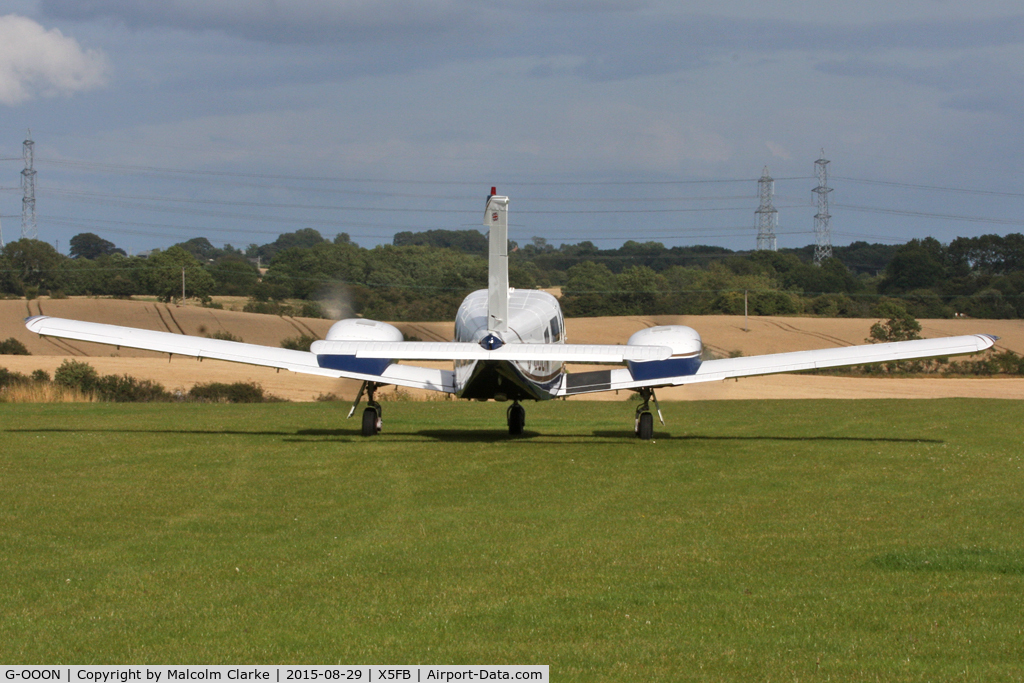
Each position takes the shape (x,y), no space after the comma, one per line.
(842,540)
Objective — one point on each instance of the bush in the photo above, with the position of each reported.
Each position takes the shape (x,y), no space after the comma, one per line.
(127,389)
(10,379)
(13,347)
(267,307)
(225,335)
(75,374)
(311,309)
(300,343)
(238,392)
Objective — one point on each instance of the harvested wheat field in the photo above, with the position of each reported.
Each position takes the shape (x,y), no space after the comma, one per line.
(721,334)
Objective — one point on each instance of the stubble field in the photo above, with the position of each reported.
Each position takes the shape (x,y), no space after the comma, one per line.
(722,335)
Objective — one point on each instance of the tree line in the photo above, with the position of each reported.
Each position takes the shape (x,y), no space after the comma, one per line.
(424,276)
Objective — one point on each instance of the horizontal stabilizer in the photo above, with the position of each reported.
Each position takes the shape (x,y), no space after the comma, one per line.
(566,353)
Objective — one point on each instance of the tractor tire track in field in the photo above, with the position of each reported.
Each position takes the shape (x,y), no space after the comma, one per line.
(171,315)
(65,347)
(162,321)
(786,327)
(298,328)
(309,329)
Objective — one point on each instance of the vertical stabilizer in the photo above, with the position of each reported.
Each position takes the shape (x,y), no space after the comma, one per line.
(496,219)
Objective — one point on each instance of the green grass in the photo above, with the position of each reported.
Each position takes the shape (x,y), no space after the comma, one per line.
(769,540)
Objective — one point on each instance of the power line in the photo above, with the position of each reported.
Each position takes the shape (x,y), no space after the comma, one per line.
(128,168)
(926,214)
(935,188)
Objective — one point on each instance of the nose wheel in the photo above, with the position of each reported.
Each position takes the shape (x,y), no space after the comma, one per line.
(516,415)
(372,422)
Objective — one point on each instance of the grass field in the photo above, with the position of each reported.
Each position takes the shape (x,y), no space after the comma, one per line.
(767,540)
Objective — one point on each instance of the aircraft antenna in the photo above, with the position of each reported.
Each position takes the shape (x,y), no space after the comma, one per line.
(822,231)
(767,215)
(28,186)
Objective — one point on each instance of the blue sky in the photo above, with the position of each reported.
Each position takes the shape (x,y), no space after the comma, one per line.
(606,120)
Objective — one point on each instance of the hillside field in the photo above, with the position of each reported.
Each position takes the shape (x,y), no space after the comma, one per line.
(721,334)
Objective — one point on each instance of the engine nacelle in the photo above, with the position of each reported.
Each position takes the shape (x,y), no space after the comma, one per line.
(360,329)
(686,351)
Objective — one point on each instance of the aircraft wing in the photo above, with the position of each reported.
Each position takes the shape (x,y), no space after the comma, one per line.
(237,352)
(727,368)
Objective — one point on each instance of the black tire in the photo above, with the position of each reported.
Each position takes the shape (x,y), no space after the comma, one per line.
(369,422)
(516,420)
(645,427)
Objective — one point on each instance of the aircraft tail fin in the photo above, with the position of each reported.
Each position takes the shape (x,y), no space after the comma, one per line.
(496,219)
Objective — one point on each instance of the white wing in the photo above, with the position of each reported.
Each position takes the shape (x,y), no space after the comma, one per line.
(715,370)
(237,352)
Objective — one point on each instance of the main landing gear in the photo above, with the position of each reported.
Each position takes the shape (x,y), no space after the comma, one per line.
(643,424)
(516,416)
(372,422)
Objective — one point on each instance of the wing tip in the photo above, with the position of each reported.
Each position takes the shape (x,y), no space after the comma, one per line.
(32,322)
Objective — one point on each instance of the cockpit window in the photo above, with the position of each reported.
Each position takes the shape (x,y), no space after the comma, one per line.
(555,330)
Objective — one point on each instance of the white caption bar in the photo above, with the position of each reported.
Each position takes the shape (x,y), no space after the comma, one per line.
(274,674)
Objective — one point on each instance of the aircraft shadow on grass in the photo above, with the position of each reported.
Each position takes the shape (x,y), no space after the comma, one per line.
(467,436)
(495,435)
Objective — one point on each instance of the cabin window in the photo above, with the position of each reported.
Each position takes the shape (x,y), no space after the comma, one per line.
(554,330)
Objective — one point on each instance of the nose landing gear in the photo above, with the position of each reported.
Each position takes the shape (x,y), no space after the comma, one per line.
(372,422)
(643,424)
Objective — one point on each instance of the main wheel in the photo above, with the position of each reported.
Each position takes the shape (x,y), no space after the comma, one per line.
(371,422)
(516,419)
(645,426)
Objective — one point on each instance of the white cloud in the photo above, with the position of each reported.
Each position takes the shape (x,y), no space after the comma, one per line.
(35,62)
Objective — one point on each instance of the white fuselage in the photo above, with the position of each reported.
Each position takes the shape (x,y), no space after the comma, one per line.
(534,317)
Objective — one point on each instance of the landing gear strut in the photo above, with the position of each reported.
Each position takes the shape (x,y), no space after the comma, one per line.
(516,415)
(372,422)
(643,423)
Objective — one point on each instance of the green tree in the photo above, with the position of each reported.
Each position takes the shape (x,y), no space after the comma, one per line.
(589,290)
(918,264)
(898,326)
(163,275)
(89,245)
(201,249)
(35,263)
(234,276)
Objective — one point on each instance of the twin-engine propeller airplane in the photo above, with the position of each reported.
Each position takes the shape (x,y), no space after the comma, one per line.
(509,346)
